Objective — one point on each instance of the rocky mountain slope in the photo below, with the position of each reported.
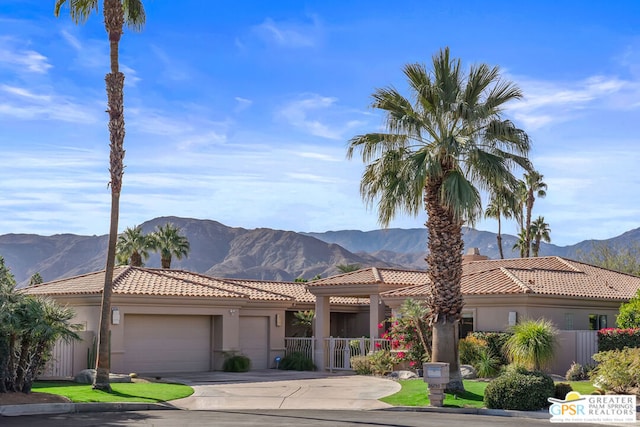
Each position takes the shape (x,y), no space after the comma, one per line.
(262,253)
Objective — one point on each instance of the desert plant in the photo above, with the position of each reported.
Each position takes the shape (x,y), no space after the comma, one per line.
(296,361)
(496,342)
(381,362)
(470,348)
(519,390)
(487,365)
(532,344)
(617,371)
(561,390)
(361,365)
(304,320)
(576,372)
(236,363)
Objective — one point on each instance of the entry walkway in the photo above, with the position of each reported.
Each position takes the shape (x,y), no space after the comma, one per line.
(273,389)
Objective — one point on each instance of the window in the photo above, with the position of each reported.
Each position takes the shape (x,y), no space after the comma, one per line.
(466,324)
(597,321)
(568,321)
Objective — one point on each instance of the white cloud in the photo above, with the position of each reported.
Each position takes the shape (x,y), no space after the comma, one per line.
(551,102)
(22,59)
(291,35)
(311,113)
(242,104)
(23,103)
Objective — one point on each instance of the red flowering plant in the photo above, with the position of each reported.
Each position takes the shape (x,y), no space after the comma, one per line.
(407,340)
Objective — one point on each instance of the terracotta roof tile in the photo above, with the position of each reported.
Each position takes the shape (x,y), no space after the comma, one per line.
(542,276)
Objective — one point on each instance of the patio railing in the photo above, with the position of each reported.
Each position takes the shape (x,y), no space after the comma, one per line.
(337,351)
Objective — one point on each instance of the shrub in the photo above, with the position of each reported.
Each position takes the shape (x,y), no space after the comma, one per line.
(296,361)
(617,339)
(487,365)
(629,316)
(361,365)
(576,372)
(381,362)
(470,348)
(496,342)
(519,390)
(236,363)
(618,371)
(561,390)
(532,343)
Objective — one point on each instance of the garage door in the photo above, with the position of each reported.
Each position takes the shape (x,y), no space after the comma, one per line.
(164,343)
(254,340)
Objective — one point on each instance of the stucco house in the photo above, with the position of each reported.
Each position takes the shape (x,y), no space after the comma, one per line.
(177,321)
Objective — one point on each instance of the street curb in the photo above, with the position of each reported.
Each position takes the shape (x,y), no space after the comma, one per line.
(66,408)
(541,415)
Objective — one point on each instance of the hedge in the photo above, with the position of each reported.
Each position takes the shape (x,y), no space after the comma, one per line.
(617,339)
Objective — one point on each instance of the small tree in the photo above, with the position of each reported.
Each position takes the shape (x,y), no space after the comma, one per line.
(532,344)
(304,320)
(347,268)
(169,242)
(35,279)
(629,316)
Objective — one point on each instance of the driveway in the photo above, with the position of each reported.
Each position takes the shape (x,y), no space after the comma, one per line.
(273,389)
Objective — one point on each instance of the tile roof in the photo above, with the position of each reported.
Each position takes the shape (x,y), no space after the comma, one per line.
(296,290)
(372,275)
(542,276)
(146,281)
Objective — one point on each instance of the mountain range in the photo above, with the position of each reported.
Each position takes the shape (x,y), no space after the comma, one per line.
(262,253)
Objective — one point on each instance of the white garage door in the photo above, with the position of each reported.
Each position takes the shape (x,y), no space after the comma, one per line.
(164,343)
(254,340)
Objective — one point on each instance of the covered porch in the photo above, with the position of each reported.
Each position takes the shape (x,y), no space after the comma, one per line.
(333,353)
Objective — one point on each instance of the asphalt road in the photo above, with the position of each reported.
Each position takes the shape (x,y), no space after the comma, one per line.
(268,418)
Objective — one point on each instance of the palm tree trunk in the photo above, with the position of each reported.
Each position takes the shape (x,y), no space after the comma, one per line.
(499,238)
(165,262)
(445,272)
(530,200)
(114,21)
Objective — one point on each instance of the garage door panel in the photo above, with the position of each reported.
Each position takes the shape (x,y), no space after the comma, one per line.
(165,343)
(254,340)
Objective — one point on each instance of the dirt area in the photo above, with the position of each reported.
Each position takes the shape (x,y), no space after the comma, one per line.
(23,398)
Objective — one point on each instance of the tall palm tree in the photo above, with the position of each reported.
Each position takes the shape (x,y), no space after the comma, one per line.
(438,148)
(168,241)
(540,232)
(116,13)
(503,203)
(133,246)
(535,187)
(521,244)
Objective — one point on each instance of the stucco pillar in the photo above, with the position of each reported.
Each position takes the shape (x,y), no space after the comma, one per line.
(376,315)
(322,329)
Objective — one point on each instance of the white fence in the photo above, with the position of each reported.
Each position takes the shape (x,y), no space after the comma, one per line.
(337,351)
(573,346)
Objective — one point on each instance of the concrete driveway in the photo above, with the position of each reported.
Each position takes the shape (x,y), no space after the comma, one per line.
(273,389)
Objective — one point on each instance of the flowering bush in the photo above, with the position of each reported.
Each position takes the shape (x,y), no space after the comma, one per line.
(617,339)
(405,342)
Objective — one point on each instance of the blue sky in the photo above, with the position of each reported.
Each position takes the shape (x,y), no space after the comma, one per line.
(241,111)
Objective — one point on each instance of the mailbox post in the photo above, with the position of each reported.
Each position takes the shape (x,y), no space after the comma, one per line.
(436,375)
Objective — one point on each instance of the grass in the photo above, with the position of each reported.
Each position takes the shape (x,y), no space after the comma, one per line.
(122,392)
(414,393)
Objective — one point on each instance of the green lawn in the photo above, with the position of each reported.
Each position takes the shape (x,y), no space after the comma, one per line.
(414,393)
(122,392)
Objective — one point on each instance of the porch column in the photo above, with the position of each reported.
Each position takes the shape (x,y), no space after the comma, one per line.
(321,330)
(376,315)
